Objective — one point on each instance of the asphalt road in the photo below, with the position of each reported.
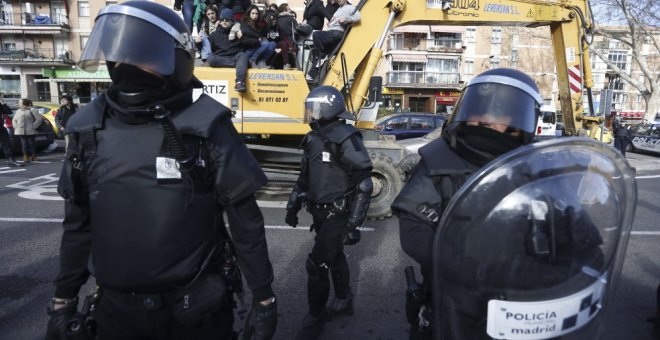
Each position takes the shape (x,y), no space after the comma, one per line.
(30,230)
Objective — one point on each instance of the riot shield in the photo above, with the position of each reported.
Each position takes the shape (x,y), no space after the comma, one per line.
(532,245)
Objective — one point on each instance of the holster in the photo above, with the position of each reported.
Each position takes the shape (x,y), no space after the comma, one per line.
(193,303)
(82,326)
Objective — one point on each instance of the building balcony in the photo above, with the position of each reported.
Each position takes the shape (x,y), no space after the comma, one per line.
(428,45)
(423,79)
(39,56)
(28,23)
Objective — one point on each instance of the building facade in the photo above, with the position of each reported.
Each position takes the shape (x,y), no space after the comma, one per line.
(425,67)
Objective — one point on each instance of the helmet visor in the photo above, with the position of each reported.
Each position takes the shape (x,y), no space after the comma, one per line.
(497,104)
(312,110)
(126,39)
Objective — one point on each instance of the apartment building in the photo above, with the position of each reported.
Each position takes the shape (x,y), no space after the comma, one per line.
(426,66)
(626,99)
(40,43)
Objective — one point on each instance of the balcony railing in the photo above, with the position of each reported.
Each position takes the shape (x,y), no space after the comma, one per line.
(36,55)
(423,78)
(431,45)
(30,19)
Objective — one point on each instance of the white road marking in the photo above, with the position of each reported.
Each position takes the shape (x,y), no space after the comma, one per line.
(647,177)
(59,220)
(5,170)
(272,204)
(39,188)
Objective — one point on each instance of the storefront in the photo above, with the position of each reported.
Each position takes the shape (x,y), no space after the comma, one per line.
(445,101)
(82,86)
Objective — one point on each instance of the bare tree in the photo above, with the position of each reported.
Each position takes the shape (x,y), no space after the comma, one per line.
(640,34)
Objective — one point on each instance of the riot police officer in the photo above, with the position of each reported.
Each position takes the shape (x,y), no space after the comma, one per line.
(147,178)
(335,184)
(496,113)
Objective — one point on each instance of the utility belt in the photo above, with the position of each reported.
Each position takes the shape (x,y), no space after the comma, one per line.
(139,301)
(338,207)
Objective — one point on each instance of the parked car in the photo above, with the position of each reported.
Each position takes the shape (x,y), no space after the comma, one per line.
(49,111)
(409,125)
(645,137)
(411,147)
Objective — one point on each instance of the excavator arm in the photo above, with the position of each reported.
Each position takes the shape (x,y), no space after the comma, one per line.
(569,21)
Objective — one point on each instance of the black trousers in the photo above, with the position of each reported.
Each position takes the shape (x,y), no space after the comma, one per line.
(6,143)
(328,252)
(122,316)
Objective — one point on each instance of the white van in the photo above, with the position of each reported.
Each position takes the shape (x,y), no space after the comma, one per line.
(547,125)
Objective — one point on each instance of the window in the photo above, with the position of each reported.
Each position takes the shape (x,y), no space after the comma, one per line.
(442,65)
(614,83)
(618,58)
(83,41)
(108,3)
(397,123)
(471,34)
(496,37)
(420,123)
(83,8)
(494,63)
(397,41)
(619,98)
(9,46)
(468,66)
(514,55)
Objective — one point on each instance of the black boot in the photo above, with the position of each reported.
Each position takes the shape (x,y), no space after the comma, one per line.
(312,327)
(339,307)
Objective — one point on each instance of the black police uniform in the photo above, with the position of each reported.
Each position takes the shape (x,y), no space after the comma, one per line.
(144,233)
(337,167)
(419,210)
(499,97)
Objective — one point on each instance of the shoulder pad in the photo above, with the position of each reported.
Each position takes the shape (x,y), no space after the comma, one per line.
(89,117)
(440,159)
(199,118)
(419,197)
(339,133)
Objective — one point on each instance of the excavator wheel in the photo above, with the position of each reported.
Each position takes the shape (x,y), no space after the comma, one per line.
(387,178)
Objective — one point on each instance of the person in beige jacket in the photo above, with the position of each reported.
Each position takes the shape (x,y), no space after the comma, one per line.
(26,120)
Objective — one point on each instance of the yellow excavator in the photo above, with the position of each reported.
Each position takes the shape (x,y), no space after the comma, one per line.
(271,113)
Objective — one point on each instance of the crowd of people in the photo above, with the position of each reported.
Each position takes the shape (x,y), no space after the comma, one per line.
(241,34)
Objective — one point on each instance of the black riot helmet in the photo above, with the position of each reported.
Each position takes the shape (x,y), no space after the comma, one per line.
(145,35)
(326,103)
(500,96)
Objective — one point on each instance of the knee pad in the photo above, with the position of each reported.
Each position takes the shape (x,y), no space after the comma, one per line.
(315,270)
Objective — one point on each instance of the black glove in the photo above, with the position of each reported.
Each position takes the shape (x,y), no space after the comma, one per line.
(177,8)
(261,322)
(291,218)
(352,236)
(59,322)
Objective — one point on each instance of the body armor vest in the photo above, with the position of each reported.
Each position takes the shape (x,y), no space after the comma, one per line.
(149,228)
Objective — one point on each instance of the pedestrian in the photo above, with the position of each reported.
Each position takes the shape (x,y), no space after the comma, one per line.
(26,120)
(7,112)
(497,113)
(148,177)
(620,136)
(66,110)
(335,184)
(5,139)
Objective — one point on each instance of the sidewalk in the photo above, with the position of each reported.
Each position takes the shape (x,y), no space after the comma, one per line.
(645,164)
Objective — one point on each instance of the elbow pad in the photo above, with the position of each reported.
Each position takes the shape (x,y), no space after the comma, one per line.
(296,199)
(360,204)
